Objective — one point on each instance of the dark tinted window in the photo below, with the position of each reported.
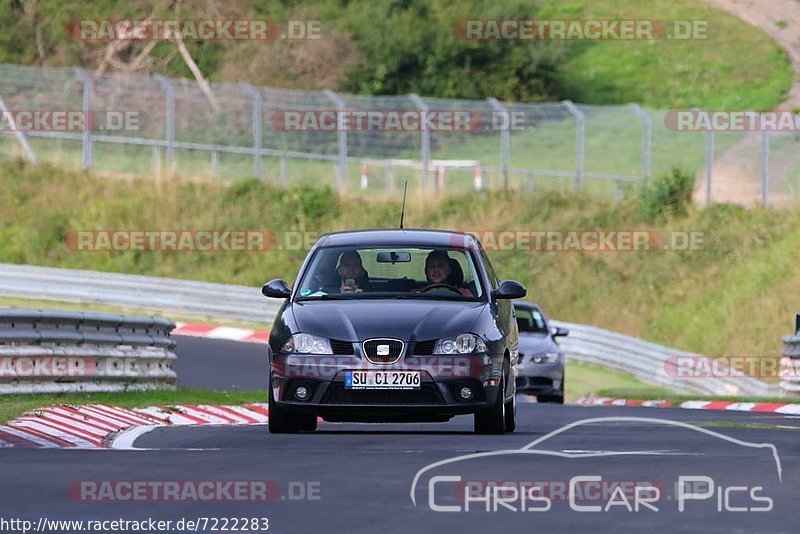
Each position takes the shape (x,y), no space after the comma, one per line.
(531,320)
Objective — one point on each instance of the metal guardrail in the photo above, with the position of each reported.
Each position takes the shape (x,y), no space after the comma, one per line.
(44,351)
(201,300)
(790,361)
(653,363)
(649,362)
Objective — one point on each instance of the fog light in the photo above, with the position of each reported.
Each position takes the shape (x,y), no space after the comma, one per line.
(466,393)
(301,392)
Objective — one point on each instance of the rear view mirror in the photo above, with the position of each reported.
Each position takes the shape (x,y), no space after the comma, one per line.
(394,257)
(559,331)
(276,289)
(510,289)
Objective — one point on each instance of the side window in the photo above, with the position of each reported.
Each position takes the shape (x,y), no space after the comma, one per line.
(530,320)
(490,270)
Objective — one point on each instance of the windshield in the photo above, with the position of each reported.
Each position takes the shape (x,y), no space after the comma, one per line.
(391,272)
(531,320)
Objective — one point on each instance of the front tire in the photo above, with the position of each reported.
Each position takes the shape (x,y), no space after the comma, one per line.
(511,415)
(492,420)
(280,421)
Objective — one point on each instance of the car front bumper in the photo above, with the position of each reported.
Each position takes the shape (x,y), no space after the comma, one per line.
(540,378)
(437,399)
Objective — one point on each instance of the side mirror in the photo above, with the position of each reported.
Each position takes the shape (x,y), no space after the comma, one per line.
(276,289)
(510,289)
(559,331)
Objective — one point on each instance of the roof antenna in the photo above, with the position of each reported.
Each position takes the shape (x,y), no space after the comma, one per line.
(403,209)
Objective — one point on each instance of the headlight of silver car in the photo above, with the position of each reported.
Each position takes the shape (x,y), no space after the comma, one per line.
(307,344)
(460,344)
(550,357)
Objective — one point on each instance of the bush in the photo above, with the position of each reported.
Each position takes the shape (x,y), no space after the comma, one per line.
(669,195)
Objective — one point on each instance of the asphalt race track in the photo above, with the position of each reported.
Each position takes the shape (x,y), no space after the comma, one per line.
(359,476)
(219,364)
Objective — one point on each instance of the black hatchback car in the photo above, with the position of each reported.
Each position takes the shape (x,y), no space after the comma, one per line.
(394,326)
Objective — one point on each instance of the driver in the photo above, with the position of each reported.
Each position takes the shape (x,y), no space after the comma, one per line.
(438,269)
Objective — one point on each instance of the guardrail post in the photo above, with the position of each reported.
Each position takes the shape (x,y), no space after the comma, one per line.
(341,174)
(647,141)
(284,175)
(88,148)
(19,134)
(505,138)
(169,125)
(709,164)
(257,119)
(425,140)
(580,139)
(790,361)
(764,168)
(156,157)
(214,163)
(389,179)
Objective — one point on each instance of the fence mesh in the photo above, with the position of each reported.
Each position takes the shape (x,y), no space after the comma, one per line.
(143,125)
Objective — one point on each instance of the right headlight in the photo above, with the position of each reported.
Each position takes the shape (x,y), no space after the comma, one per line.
(549,357)
(460,344)
(307,344)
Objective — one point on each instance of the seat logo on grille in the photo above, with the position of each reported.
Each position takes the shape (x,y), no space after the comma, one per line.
(382,350)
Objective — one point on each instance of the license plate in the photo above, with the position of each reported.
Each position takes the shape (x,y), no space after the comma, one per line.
(382,380)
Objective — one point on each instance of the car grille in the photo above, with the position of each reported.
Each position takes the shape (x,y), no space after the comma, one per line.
(424,348)
(338,394)
(395,350)
(341,347)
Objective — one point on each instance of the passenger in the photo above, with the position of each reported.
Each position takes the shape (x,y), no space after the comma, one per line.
(354,277)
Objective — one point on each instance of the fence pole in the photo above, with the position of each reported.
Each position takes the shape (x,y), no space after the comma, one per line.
(425,140)
(505,138)
(257,118)
(88,148)
(169,125)
(341,173)
(709,164)
(155,152)
(764,168)
(19,134)
(214,164)
(284,175)
(647,141)
(580,138)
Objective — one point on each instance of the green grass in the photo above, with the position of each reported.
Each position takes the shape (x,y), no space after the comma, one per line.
(675,400)
(583,379)
(734,297)
(12,406)
(738,67)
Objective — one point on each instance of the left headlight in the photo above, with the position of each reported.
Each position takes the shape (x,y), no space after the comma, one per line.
(307,344)
(549,357)
(460,344)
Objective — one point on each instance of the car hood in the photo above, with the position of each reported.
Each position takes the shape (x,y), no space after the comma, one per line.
(537,344)
(403,319)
